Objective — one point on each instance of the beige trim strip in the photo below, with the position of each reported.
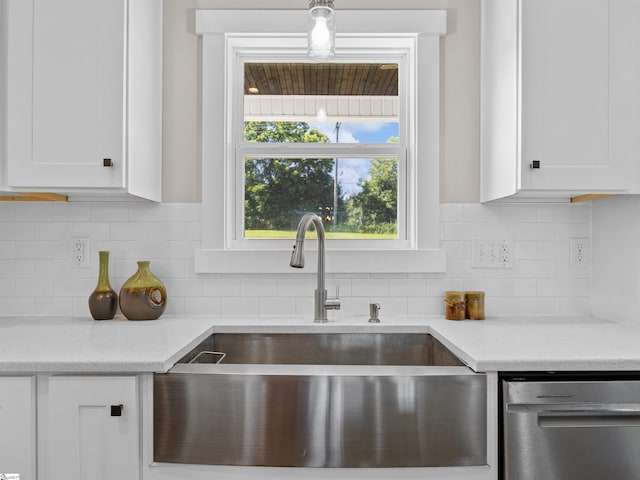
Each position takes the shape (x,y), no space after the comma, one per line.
(33,197)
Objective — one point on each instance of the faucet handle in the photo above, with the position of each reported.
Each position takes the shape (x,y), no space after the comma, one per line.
(333,303)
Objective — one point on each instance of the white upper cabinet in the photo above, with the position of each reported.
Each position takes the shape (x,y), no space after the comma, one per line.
(559,97)
(84,96)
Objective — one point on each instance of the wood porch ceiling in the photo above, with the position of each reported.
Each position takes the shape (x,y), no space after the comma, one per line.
(355,79)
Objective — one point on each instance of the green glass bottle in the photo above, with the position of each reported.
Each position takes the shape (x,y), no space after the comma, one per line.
(103,301)
(143,296)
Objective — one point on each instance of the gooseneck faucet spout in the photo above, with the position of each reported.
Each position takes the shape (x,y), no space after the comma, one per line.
(322,303)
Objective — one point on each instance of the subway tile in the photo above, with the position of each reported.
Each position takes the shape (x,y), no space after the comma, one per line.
(108,212)
(7,249)
(222,287)
(475,212)
(553,250)
(73,212)
(134,231)
(582,212)
(462,231)
(370,287)
(555,212)
(258,287)
(146,249)
(536,306)
(7,211)
(175,306)
(202,306)
(168,231)
(95,231)
(277,305)
(17,305)
(450,212)
(287,287)
(53,306)
(240,306)
(573,305)
(40,288)
(17,231)
(7,287)
(437,288)
(499,231)
(34,212)
(45,231)
(183,212)
(407,288)
(456,249)
(34,249)
(518,213)
(390,306)
(147,212)
(13,268)
(501,307)
(537,269)
(536,231)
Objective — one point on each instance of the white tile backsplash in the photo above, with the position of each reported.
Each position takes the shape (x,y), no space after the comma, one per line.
(37,277)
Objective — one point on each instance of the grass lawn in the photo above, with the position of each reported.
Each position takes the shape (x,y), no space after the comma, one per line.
(312,234)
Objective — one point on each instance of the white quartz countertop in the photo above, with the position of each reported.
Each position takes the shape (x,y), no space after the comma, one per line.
(80,344)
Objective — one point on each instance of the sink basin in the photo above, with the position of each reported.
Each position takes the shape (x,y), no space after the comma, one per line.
(323,349)
(321,400)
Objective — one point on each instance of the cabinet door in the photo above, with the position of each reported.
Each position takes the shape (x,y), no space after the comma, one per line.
(566,97)
(65,102)
(84,440)
(18,426)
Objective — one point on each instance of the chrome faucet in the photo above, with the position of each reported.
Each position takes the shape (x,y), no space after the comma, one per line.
(322,303)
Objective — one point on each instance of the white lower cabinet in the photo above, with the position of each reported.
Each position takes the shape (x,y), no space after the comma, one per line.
(18,426)
(89,428)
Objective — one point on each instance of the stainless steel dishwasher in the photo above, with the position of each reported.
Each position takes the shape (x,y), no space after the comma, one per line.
(570,427)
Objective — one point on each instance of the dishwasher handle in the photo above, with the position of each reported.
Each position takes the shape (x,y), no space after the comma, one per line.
(581,415)
(577,416)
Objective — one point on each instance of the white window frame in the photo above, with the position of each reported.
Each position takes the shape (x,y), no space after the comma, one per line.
(411,38)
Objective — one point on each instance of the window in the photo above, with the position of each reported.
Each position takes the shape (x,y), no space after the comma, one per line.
(354,140)
(324,105)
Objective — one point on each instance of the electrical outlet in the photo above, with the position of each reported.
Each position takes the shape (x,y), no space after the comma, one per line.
(491,253)
(80,252)
(580,251)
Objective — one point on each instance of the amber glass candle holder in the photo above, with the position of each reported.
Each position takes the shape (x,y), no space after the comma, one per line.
(475,305)
(454,306)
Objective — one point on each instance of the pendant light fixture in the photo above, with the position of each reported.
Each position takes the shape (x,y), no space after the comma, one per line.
(321,31)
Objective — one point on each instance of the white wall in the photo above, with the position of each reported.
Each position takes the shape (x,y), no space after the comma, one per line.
(37,277)
(616,258)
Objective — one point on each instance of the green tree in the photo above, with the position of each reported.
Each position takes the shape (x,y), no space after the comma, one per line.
(279,190)
(374,209)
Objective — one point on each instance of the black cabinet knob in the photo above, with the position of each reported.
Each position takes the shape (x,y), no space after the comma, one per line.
(534,164)
(107,162)
(116,410)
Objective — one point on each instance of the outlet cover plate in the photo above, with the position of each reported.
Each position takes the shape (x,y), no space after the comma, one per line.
(491,253)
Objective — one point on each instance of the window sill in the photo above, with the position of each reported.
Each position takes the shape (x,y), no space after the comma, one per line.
(337,261)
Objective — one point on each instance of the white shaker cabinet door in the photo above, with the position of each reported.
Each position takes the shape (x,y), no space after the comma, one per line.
(560,97)
(18,426)
(93,428)
(66,93)
(566,92)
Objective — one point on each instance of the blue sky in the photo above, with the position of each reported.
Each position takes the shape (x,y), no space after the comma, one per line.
(351,170)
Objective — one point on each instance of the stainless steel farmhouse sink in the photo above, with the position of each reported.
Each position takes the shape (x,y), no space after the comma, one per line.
(321,400)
